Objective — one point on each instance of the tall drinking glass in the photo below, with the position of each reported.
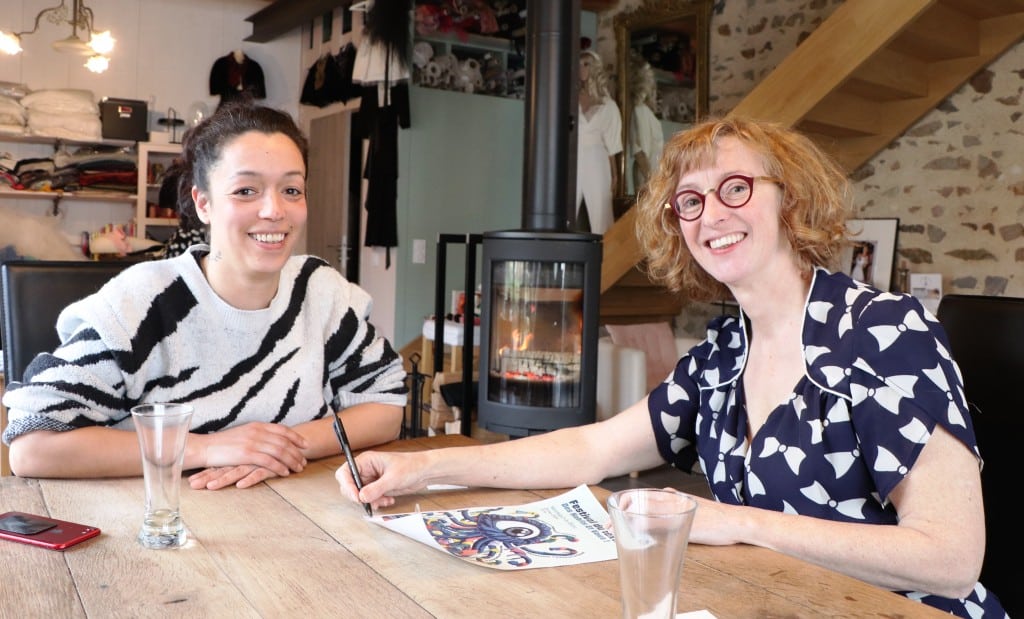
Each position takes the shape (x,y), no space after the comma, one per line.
(162,430)
(652,529)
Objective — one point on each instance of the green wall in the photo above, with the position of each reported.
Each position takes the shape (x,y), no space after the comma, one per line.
(461,170)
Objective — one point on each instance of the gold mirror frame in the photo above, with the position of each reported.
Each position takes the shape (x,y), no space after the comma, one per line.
(659,16)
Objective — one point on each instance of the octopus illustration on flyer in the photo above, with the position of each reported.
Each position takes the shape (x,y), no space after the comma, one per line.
(566,529)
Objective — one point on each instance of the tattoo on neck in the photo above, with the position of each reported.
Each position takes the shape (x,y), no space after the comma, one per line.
(216,256)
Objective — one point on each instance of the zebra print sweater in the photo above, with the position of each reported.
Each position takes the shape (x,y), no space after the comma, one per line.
(158,333)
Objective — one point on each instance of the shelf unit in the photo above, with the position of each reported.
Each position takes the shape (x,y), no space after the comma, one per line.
(497,57)
(57,196)
(154,160)
(57,142)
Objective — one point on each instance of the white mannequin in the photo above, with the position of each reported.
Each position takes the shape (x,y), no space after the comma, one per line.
(600,139)
(239,56)
(646,139)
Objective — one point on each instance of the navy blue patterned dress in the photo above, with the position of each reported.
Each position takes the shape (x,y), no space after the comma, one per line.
(878,378)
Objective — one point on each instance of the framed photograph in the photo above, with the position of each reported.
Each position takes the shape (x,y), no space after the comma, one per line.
(927,287)
(871,256)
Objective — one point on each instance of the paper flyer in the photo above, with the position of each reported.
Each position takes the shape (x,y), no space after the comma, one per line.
(568,529)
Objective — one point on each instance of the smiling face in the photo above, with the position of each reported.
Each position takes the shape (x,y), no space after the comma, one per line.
(255,207)
(737,246)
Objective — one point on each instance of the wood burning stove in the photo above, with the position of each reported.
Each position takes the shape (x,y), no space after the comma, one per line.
(539,322)
(541,284)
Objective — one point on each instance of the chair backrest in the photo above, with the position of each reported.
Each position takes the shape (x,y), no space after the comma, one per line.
(986,337)
(34,293)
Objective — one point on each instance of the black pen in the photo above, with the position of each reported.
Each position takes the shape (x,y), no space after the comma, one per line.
(339,431)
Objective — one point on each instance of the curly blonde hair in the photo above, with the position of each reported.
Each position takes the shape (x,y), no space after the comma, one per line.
(597,82)
(645,88)
(815,202)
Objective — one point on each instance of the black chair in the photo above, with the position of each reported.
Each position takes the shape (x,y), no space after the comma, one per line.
(986,336)
(34,292)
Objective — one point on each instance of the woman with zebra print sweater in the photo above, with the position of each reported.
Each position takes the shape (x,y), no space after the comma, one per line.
(266,346)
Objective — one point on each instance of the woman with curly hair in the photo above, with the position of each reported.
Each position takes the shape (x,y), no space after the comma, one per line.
(828,416)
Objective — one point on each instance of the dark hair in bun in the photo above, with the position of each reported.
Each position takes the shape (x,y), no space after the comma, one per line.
(203,144)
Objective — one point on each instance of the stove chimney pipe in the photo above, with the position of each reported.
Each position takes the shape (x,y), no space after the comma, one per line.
(540,306)
(552,72)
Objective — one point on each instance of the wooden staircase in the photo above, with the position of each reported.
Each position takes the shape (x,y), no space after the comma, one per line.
(862,78)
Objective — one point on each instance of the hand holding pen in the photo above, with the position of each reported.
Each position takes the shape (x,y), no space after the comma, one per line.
(339,431)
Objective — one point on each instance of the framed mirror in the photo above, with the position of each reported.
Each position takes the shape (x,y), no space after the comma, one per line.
(662,66)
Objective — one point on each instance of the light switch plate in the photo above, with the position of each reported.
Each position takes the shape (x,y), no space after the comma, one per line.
(419,251)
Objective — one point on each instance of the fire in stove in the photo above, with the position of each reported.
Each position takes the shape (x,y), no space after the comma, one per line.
(538,329)
(538,334)
(538,373)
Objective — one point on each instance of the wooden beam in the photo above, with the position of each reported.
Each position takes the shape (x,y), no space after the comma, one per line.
(283,16)
(649,302)
(828,57)
(621,251)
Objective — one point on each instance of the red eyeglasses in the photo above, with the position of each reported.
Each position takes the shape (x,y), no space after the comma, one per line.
(734,191)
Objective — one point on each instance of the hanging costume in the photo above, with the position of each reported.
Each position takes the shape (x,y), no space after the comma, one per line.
(329,79)
(380,63)
(231,78)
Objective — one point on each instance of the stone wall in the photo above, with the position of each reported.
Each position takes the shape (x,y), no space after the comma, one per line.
(954,180)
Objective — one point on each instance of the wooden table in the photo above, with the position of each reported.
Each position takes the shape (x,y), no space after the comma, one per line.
(294,547)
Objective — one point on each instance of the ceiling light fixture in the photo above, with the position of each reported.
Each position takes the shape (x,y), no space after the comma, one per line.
(79,17)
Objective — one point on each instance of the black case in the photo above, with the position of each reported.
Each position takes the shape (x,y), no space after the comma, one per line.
(124,119)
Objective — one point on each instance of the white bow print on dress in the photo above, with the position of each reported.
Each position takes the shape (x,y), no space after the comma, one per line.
(852,508)
(888,334)
(793,455)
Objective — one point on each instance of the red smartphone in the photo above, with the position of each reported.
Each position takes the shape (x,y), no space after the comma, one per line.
(43,531)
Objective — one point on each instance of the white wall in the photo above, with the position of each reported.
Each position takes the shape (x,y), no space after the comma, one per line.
(163,54)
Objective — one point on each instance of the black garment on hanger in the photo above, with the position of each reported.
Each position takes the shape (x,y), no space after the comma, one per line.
(323,84)
(230,79)
(387,24)
(397,99)
(346,60)
(380,125)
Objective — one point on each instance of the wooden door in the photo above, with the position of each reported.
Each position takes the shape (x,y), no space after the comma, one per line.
(328,233)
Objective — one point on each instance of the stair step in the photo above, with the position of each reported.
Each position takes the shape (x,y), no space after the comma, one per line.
(843,115)
(629,304)
(889,75)
(940,33)
(987,9)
